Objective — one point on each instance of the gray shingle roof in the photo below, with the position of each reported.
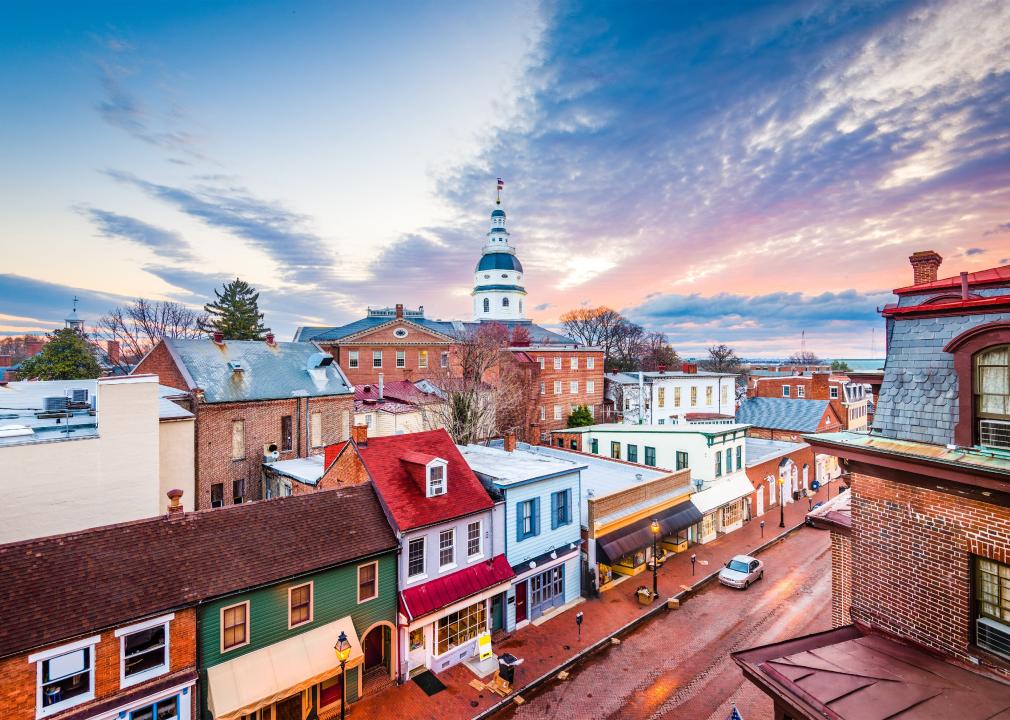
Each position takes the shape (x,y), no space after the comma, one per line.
(452,328)
(269,372)
(782,413)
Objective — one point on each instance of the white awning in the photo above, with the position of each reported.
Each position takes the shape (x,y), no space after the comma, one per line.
(251,681)
(722,492)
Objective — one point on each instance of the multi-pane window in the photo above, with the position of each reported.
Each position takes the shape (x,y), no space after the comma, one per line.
(543,388)
(785,390)
(352,358)
(661,397)
(527,519)
(574,362)
(65,680)
(217,495)
(167,709)
(557,387)
(739,456)
(676,397)
(632,453)
(234,626)
(401,358)
(543,413)
(590,363)
(422,358)
(557,412)
(681,460)
(993,605)
(833,392)
(473,533)
(368,581)
(992,383)
(541,363)
(447,547)
(615,450)
(316,429)
(729,460)
(590,387)
(725,394)
(237,439)
(286,433)
(145,652)
(573,387)
(444,360)
(459,627)
(557,363)
(415,557)
(694,397)
(238,491)
(300,605)
(708,395)
(376,358)
(561,508)
(650,456)
(718,463)
(801,391)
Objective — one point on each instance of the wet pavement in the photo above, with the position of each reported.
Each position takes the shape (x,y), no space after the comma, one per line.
(677,665)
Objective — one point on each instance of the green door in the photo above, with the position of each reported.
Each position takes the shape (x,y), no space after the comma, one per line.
(497,614)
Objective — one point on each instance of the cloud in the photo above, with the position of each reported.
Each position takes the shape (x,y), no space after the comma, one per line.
(999,229)
(974,251)
(165,243)
(42,305)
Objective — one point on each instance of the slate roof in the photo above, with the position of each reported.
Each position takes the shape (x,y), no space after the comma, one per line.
(404,497)
(64,586)
(269,372)
(452,328)
(782,413)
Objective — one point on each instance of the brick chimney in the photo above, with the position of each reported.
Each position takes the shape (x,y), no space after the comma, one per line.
(33,347)
(819,386)
(270,338)
(510,441)
(175,502)
(925,263)
(219,337)
(113,351)
(399,310)
(359,434)
(689,368)
(6,360)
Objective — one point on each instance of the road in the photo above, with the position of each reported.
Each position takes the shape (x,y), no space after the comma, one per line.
(677,666)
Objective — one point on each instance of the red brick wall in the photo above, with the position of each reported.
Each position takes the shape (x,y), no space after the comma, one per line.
(758,474)
(347,470)
(385,341)
(841,579)
(911,551)
(566,400)
(159,362)
(18,676)
(214,463)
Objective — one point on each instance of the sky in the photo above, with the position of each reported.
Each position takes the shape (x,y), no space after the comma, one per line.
(736,172)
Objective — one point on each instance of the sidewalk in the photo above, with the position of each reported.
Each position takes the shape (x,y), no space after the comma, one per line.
(546,646)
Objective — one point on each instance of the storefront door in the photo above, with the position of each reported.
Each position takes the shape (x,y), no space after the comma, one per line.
(547,590)
(289,708)
(521,602)
(497,621)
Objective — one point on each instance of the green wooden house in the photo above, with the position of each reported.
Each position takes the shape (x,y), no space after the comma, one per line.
(267,642)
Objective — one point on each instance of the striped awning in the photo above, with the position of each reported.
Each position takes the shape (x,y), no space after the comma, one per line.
(614,545)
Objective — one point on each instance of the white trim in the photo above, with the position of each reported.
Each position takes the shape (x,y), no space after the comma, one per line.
(357,591)
(128,379)
(312,603)
(452,564)
(436,615)
(64,649)
(220,626)
(480,541)
(157,697)
(123,633)
(41,657)
(145,625)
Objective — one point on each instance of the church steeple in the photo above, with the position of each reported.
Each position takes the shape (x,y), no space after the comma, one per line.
(498,289)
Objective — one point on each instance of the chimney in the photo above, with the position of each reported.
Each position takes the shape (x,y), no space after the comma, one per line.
(270,338)
(6,360)
(819,386)
(382,387)
(964,286)
(219,337)
(174,502)
(33,347)
(359,434)
(399,310)
(510,441)
(689,368)
(112,351)
(925,263)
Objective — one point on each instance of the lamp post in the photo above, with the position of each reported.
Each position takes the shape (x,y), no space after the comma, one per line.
(655,560)
(694,559)
(762,528)
(343,649)
(782,502)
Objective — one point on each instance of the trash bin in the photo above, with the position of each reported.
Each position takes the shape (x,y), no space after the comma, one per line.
(796,495)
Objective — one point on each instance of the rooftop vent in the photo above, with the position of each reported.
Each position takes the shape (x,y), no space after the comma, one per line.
(79,396)
(319,360)
(235,366)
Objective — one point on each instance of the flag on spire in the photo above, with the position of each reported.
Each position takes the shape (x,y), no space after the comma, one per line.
(735,715)
(501,184)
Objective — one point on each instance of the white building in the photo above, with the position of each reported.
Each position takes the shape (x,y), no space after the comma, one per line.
(498,290)
(661,398)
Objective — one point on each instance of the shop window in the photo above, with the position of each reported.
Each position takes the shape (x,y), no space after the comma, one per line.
(632,453)
(992,611)
(460,627)
(732,513)
(234,626)
(65,677)
(682,460)
(331,690)
(368,581)
(299,605)
(650,456)
(167,709)
(143,651)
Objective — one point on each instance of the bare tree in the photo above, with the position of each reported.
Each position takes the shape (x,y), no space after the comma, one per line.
(804,358)
(17,346)
(140,325)
(722,358)
(657,352)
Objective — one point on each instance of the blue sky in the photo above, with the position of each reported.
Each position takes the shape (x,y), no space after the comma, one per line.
(724,172)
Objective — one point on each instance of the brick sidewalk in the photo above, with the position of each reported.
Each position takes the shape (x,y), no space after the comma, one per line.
(546,646)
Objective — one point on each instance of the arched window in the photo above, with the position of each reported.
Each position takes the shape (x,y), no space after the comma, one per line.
(992,384)
(487,305)
(504,302)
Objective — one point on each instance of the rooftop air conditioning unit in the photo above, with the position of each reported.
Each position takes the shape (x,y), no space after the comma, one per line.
(55,403)
(994,434)
(79,395)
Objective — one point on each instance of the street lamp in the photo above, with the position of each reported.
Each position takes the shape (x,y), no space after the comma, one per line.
(782,502)
(762,528)
(655,559)
(343,649)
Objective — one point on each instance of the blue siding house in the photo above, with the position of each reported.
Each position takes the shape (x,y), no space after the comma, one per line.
(538,516)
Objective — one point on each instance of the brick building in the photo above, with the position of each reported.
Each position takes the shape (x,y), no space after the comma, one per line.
(847,399)
(779,470)
(568,377)
(930,505)
(252,399)
(787,419)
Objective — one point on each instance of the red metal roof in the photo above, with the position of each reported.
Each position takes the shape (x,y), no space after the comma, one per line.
(945,308)
(991,276)
(444,591)
(384,458)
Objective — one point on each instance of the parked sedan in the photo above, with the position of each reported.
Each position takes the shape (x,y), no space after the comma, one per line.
(741,571)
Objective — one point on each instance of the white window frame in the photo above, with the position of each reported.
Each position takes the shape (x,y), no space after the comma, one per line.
(316,429)
(444,359)
(557,412)
(422,358)
(590,387)
(376,355)
(452,546)
(480,541)
(352,358)
(573,387)
(543,388)
(590,363)
(401,358)
(39,657)
(833,392)
(424,560)
(357,590)
(592,411)
(543,412)
(573,362)
(122,634)
(541,363)
(557,387)
(312,603)
(428,479)
(220,626)
(557,363)
(801,391)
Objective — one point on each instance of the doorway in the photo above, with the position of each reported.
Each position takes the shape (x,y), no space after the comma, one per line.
(289,708)
(497,620)
(547,590)
(521,602)
(374,647)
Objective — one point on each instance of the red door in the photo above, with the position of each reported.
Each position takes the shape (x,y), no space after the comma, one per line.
(373,648)
(520,602)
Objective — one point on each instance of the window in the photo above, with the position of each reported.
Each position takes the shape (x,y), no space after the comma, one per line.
(143,650)
(573,362)
(541,363)
(718,463)
(444,359)
(167,709)
(594,446)
(725,394)
(543,388)
(573,387)
(64,676)
(557,387)
(592,411)
(415,557)
(801,391)
(590,387)
(832,392)
(543,413)
(299,605)
(286,433)
(460,627)
(376,358)
(694,397)
(785,391)
(422,358)
(417,639)
(992,606)
(447,548)
(615,450)
(368,581)
(992,391)
(234,626)
(661,397)
(557,363)
(436,479)
(527,519)
(238,491)
(561,508)
(739,457)
(238,439)
(573,444)
(473,538)
(676,397)
(557,412)
(708,395)
(352,358)
(401,358)
(729,460)
(650,456)
(487,305)
(504,300)
(632,453)
(590,363)
(217,495)
(682,461)
(316,429)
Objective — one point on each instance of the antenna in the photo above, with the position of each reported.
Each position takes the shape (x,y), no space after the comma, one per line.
(803,343)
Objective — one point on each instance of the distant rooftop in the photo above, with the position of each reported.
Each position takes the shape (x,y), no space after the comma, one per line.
(306,470)
(513,468)
(631,378)
(760,450)
(703,428)
(798,415)
(449,328)
(43,411)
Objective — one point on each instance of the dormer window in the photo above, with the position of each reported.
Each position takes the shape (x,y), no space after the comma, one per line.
(436,479)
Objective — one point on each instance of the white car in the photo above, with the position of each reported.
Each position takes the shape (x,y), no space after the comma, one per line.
(741,571)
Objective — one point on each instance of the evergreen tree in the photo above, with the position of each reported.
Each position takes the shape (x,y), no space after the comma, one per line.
(581,417)
(235,312)
(66,356)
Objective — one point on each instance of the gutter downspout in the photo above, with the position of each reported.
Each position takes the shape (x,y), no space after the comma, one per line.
(641,398)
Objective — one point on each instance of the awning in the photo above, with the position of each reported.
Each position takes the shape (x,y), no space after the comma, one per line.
(448,589)
(722,492)
(251,681)
(614,545)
